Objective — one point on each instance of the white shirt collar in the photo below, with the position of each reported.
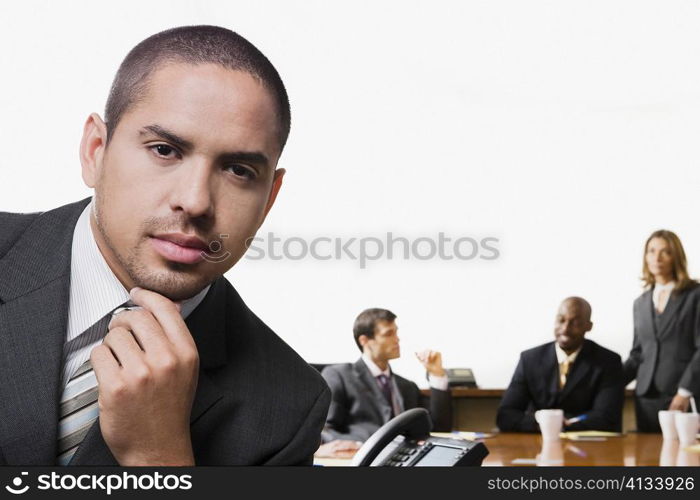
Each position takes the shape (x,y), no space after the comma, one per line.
(94,289)
(660,288)
(373,368)
(562,356)
(667,286)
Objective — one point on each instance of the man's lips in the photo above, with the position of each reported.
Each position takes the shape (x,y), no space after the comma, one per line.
(179,247)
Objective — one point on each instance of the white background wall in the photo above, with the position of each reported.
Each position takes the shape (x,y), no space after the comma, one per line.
(569,130)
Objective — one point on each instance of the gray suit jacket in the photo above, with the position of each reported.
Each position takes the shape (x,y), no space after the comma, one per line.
(257,401)
(358,407)
(667,357)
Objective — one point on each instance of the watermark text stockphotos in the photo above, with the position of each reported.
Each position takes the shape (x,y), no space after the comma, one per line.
(364,250)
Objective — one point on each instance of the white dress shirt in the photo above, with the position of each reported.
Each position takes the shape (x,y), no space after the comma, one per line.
(95,291)
(668,287)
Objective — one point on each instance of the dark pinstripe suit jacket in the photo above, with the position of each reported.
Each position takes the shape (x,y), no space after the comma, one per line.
(257,401)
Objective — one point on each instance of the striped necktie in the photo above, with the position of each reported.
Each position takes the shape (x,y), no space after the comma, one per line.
(78,408)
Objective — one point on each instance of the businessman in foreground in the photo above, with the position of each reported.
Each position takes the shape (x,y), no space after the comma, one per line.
(122,341)
(575,374)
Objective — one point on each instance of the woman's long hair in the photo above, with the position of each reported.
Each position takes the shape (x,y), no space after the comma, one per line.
(680,262)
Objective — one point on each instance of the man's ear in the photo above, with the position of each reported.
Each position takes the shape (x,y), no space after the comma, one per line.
(590,326)
(92,148)
(363,339)
(276,185)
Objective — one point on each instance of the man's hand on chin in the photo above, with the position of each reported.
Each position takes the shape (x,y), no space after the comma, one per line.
(147,369)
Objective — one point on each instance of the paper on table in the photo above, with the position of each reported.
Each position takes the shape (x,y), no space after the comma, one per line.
(588,434)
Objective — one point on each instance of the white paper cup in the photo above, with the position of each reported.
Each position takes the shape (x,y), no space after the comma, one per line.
(687,458)
(669,452)
(551,422)
(667,422)
(686,427)
(552,453)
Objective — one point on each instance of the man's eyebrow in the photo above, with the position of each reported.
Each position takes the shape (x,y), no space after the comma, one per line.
(167,135)
(252,157)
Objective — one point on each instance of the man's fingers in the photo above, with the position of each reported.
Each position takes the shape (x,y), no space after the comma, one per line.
(124,347)
(166,313)
(345,445)
(428,356)
(145,329)
(104,364)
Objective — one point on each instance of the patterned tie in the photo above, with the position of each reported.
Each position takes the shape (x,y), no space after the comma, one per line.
(385,385)
(78,409)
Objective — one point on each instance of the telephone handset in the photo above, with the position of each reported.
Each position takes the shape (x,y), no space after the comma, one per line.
(405,441)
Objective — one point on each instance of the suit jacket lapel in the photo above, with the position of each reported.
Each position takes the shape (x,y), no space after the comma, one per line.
(648,323)
(207,324)
(34,291)
(381,405)
(550,372)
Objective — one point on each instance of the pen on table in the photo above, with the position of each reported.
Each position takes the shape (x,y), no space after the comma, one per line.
(573,420)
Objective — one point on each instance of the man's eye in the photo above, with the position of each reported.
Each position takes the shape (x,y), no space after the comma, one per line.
(164,151)
(241,171)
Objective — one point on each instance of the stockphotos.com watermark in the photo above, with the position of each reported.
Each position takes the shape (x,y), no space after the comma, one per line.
(109,483)
(368,248)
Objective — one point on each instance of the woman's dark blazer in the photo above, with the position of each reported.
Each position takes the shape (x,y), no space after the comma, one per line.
(666,352)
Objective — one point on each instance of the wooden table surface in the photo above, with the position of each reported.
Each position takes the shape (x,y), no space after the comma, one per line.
(631,450)
(528,450)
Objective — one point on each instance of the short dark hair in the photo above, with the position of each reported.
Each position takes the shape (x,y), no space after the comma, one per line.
(192,45)
(367,320)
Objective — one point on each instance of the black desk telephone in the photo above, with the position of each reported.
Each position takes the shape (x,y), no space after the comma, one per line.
(405,441)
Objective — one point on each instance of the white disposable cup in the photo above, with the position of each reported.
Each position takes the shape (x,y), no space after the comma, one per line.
(687,458)
(669,452)
(550,423)
(667,422)
(552,453)
(686,427)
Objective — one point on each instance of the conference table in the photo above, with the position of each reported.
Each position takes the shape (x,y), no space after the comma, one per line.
(631,449)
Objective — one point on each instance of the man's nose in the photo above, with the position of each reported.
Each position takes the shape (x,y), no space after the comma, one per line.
(193,190)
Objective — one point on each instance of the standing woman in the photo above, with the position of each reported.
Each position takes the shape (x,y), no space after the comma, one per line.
(665,355)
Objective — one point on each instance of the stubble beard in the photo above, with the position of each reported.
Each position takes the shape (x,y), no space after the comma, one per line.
(174,284)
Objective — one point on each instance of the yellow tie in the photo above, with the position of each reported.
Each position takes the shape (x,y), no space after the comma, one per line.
(563,372)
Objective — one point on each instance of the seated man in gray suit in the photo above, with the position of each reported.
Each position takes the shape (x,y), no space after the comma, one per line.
(571,373)
(366,394)
(184,171)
